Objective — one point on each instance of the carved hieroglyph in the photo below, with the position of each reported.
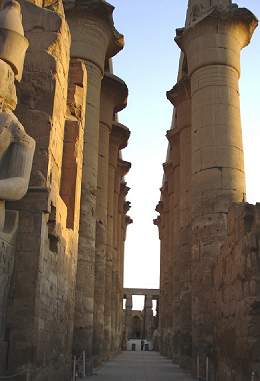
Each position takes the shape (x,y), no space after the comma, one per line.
(16,147)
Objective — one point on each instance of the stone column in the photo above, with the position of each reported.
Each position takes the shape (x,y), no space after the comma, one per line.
(118,140)
(174,157)
(128,309)
(168,195)
(93,39)
(122,169)
(160,222)
(179,96)
(212,47)
(148,316)
(124,189)
(113,99)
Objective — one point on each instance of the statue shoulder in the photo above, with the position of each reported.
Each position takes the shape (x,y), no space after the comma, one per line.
(11,122)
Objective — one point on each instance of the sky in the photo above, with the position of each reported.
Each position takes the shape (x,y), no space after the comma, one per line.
(149,66)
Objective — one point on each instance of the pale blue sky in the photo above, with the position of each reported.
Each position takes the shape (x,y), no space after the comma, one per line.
(149,65)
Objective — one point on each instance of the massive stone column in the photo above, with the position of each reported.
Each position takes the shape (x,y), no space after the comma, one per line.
(148,316)
(128,309)
(118,140)
(172,169)
(160,222)
(124,189)
(179,96)
(212,47)
(113,99)
(123,168)
(93,39)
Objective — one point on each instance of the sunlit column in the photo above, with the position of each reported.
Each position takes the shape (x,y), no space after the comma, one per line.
(179,96)
(122,169)
(118,140)
(113,99)
(212,47)
(93,40)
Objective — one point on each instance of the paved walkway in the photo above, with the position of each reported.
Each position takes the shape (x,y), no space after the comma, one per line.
(139,366)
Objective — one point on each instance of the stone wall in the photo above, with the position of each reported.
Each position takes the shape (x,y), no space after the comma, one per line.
(236,284)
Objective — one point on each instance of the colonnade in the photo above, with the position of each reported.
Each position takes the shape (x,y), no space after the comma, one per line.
(103,218)
(203,176)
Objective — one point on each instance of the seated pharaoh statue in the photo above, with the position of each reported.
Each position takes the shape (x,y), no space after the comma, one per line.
(16,147)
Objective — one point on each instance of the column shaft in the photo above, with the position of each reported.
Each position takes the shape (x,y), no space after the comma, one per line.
(212,47)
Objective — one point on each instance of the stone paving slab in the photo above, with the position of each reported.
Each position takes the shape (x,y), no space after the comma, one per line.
(139,366)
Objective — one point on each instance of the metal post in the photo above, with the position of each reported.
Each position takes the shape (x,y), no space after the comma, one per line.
(74,369)
(207,369)
(84,363)
(198,366)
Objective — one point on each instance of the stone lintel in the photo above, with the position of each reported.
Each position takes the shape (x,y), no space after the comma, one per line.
(152,292)
(124,167)
(118,88)
(120,134)
(99,9)
(242,23)
(180,92)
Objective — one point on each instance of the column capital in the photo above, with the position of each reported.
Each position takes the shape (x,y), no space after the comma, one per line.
(159,207)
(180,92)
(164,189)
(127,206)
(124,189)
(167,168)
(93,33)
(115,88)
(128,220)
(120,134)
(234,28)
(157,221)
(170,135)
(124,167)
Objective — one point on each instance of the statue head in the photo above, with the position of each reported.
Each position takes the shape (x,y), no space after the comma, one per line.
(13,44)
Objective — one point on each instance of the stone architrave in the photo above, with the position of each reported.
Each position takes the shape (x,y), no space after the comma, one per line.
(123,168)
(212,46)
(113,99)
(16,152)
(179,96)
(118,140)
(94,39)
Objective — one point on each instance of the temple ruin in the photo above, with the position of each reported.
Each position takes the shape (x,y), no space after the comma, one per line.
(209,302)
(64,209)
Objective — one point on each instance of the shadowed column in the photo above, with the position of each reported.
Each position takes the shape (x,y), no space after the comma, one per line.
(179,96)
(113,99)
(212,47)
(93,39)
(118,140)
